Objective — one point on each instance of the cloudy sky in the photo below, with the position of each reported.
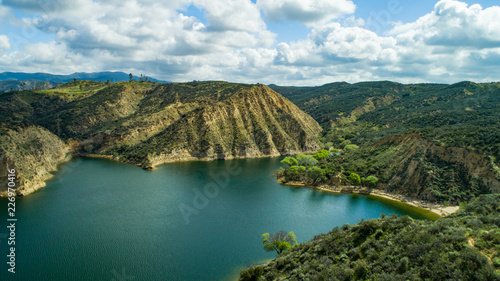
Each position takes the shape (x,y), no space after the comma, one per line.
(285,42)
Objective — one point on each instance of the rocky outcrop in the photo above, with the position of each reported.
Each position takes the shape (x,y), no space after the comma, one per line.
(418,163)
(34,153)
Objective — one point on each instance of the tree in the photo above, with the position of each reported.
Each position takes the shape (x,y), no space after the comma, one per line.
(371,180)
(322,154)
(289,161)
(306,160)
(108,82)
(316,174)
(131,77)
(354,178)
(296,172)
(279,241)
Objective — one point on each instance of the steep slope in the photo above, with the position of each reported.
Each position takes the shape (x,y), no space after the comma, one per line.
(34,153)
(148,124)
(420,169)
(253,122)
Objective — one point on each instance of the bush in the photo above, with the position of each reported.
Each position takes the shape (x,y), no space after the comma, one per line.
(371,180)
(251,274)
(306,160)
(289,161)
(351,147)
(322,154)
(354,179)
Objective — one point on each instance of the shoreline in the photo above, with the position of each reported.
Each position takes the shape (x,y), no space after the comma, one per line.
(72,155)
(438,209)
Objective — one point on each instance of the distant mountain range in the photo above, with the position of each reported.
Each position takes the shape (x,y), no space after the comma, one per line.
(13,80)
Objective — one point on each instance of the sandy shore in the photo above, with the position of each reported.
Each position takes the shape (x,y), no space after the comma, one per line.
(438,209)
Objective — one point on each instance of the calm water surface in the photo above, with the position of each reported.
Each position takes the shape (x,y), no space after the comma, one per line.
(102,220)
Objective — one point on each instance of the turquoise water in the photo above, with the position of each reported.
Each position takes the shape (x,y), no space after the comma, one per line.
(102,220)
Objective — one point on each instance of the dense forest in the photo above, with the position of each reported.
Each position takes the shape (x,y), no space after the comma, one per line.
(462,246)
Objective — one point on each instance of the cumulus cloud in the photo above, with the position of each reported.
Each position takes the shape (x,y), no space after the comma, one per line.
(305,11)
(453,23)
(4,43)
(453,42)
(239,15)
(131,31)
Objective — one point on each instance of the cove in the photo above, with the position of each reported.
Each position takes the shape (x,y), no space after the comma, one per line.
(102,220)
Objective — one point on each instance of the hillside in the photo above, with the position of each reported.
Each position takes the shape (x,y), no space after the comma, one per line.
(147,124)
(434,142)
(464,114)
(462,246)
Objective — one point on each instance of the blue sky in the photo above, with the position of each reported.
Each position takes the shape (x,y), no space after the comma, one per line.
(285,42)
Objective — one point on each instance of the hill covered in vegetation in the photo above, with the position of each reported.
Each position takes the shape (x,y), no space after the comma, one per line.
(434,142)
(147,124)
(462,246)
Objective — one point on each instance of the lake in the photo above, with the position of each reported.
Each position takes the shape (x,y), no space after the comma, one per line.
(103,220)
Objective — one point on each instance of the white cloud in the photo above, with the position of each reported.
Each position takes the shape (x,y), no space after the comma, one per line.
(452,43)
(235,15)
(350,42)
(4,43)
(305,11)
(453,23)
(139,31)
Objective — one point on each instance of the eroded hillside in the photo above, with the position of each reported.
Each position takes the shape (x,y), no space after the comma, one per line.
(147,124)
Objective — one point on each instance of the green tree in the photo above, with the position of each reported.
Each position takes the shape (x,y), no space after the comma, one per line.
(371,180)
(354,178)
(289,161)
(279,241)
(316,174)
(296,172)
(131,77)
(322,154)
(306,160)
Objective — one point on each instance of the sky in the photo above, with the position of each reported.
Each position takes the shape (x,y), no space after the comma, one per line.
(283,42)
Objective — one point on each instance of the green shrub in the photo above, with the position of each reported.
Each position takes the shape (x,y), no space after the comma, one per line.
(354,179)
